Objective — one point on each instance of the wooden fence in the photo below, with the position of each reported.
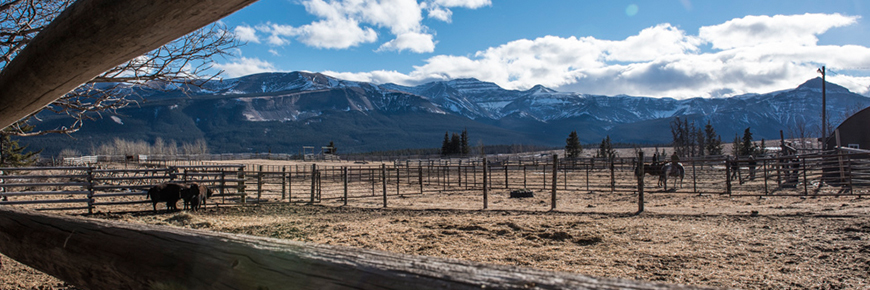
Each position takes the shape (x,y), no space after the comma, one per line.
(91,188)
(87,188)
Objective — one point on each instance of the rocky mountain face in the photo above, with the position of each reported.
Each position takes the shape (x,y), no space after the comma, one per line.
(281,112)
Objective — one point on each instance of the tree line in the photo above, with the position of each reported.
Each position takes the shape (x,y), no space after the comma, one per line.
(690,140)
(457,144)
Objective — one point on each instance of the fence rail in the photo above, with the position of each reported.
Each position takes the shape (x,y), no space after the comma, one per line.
(176,258)
(803,175)
(63,188)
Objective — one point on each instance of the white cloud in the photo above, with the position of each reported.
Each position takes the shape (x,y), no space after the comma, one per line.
(274,52)
(343,24)
(247,34)
(413,41)
(337,34)
(781,29)
(245,66)
(471,4)
(661,61)
(440,13)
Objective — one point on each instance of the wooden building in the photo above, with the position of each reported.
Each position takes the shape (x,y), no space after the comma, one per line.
(853,133)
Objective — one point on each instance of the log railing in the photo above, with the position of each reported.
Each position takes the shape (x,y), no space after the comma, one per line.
(102,254)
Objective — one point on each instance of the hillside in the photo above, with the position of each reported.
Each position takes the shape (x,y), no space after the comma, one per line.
(280,112)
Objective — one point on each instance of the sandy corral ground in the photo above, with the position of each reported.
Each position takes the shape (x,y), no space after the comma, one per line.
(709,240)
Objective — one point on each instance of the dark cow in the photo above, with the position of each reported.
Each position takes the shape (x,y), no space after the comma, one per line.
(166,192)
(196,195)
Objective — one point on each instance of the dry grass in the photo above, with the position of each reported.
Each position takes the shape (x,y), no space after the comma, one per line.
(709,240)
(717,241)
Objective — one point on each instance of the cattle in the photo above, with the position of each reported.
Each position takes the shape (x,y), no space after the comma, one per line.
(195,195)
(166,192)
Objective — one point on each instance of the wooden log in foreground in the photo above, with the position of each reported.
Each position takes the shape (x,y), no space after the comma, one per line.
(91,37)
(102,254)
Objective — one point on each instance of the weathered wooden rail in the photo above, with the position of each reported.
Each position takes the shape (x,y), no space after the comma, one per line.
(803,175)
(101,254)
(89,188)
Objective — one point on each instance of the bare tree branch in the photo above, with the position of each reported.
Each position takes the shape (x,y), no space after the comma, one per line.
(182,64)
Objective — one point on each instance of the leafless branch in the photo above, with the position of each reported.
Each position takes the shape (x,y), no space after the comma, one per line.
(180,65)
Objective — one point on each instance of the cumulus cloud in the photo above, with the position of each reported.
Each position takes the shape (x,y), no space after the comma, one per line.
(344,24)
(754,54)
(246,33)
(781,29)
(413,41)
(245,66)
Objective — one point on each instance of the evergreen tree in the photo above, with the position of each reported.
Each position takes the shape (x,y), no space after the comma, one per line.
(701,141)
(606,148)
(736,146)
(464,142)
(12,154)
(712,141)
(455,144)
(685,136)
(747,147)
(332,148)
(572,146)
(445,145)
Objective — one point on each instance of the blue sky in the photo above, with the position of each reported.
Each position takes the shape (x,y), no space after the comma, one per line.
(676,48)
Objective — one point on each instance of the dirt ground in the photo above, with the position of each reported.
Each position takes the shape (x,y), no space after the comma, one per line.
(709,240)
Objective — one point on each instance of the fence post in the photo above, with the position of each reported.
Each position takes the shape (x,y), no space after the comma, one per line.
(398,180)
(640,176)
(728,176)
(565,176)
(694,180)
(485,184)
(241,185)
(344,179)
(459,173)
(544,175)
(420,176)
(223,182)
(555,179)
(764,168)
(525,185)
(804,169)
(384,181)
(313,182)
(587,176)
(612,175)
(506,176)
(290,184)
(90,190)
(283,182)
(259,183)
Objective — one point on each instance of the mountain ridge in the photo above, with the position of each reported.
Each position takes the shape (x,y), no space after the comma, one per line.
(324,108)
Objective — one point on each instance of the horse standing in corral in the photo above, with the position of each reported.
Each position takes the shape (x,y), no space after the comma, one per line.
(674,169)
(654,169)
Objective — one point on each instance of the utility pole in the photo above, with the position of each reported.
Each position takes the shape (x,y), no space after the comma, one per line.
(824,138)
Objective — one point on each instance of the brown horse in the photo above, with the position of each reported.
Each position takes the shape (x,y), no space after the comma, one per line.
(654,169)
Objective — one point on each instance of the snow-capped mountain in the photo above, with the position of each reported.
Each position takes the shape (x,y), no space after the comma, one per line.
(312,108)
(279,97)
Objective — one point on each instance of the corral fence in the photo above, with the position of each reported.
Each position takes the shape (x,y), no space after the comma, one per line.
(88,188)
(810,174)
(91,188)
